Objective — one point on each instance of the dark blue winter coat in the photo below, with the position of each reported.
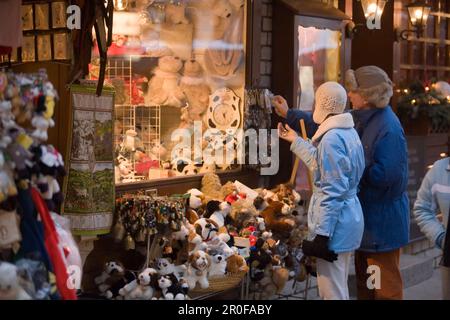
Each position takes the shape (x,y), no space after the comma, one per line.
(382,191)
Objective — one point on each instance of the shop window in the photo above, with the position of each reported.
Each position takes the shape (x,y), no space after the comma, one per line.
(318,62)
(177,68)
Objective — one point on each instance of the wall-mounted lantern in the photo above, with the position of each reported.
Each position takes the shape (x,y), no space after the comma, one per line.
(418,12)
(373,11)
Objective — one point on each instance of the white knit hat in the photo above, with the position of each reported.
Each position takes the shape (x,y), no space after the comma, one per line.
(331,98)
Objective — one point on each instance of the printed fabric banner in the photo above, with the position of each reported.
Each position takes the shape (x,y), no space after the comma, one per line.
(89,187)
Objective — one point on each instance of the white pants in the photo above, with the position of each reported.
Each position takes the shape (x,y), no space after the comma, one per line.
(332,278)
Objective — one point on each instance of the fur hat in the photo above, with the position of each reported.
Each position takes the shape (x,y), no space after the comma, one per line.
(331,98)
(372,83)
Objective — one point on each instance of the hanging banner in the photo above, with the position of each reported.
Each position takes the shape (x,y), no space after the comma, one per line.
(89,187)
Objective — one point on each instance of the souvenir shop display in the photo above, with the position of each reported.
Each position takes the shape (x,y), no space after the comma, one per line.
(90,187)
(36,246)
(207,241)
(174,69)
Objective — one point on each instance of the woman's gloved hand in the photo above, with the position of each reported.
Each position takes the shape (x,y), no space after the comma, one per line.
(319,248)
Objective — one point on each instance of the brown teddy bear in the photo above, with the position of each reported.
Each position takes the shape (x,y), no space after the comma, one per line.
(164,86)
(243,213)
(236,264)
(176,13)
(196,89)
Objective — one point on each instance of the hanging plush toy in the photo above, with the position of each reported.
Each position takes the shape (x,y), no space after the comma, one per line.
(164,87)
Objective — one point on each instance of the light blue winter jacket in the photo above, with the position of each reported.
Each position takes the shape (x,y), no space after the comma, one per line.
(434,198)
(337,165)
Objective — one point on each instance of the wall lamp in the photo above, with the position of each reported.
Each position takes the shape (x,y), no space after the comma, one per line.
(418,12)
(373,11)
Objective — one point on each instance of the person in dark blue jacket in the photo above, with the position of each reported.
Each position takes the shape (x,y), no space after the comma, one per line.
(382,191)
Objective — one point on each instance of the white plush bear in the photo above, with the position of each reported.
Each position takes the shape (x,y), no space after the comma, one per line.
(164,86)
(41,124)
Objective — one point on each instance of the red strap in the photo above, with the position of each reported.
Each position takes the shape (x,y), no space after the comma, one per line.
(52,246)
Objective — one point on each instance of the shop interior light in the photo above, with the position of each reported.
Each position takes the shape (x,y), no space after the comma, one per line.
(418,12)
(120,5)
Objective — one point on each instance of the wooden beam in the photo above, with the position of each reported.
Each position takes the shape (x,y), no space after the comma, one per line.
(423,67)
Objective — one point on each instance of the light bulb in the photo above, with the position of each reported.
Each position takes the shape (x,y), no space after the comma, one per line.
(371,9)
(418,14)
(120,5)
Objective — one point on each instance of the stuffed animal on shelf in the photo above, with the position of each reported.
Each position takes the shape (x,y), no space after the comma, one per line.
(196,89)
(172,288)
(198,264)
(7,185)
(165,267)
(10,288)
(260,259)
(113,278)
(41,125)
(217,211)
(164,89)
(142,288)
(196,198)
(243,213)
(236,263)
(275,219)
(176,13)
(218,266)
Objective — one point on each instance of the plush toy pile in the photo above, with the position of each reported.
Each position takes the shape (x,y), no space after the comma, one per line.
(31,233)
(226,229)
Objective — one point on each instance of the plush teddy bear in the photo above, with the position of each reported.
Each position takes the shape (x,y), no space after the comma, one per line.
(164,86)
(142,288)
(196,89)
(10,288)
(176,13)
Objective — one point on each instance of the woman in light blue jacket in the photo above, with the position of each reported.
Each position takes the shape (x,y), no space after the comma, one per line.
(335,219)
(433,198)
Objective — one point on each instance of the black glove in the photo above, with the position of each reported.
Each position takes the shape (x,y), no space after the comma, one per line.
(319,248)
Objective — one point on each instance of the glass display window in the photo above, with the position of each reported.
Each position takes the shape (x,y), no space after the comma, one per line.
(318,62)
(178,69)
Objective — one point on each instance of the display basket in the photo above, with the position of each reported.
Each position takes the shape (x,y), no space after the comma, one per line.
(220,284)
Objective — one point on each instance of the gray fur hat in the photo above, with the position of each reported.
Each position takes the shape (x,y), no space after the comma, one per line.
(372,83)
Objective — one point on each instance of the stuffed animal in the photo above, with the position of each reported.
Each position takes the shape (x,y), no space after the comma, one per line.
(218,266)
(142,288)
(211,187)
(217,211)
(176,13)
(275,219)
(164,86)
(113,278)
(196,89)
(243,213)
(273,282)
(7,185)
(236,264)
(165,267)
(237,4)
(260,259)
(171,288)
(210,233)
(198,264)
(196,198)
(41,125)
(10,288)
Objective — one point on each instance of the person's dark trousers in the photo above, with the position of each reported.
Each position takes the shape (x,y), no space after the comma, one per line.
(391,283)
